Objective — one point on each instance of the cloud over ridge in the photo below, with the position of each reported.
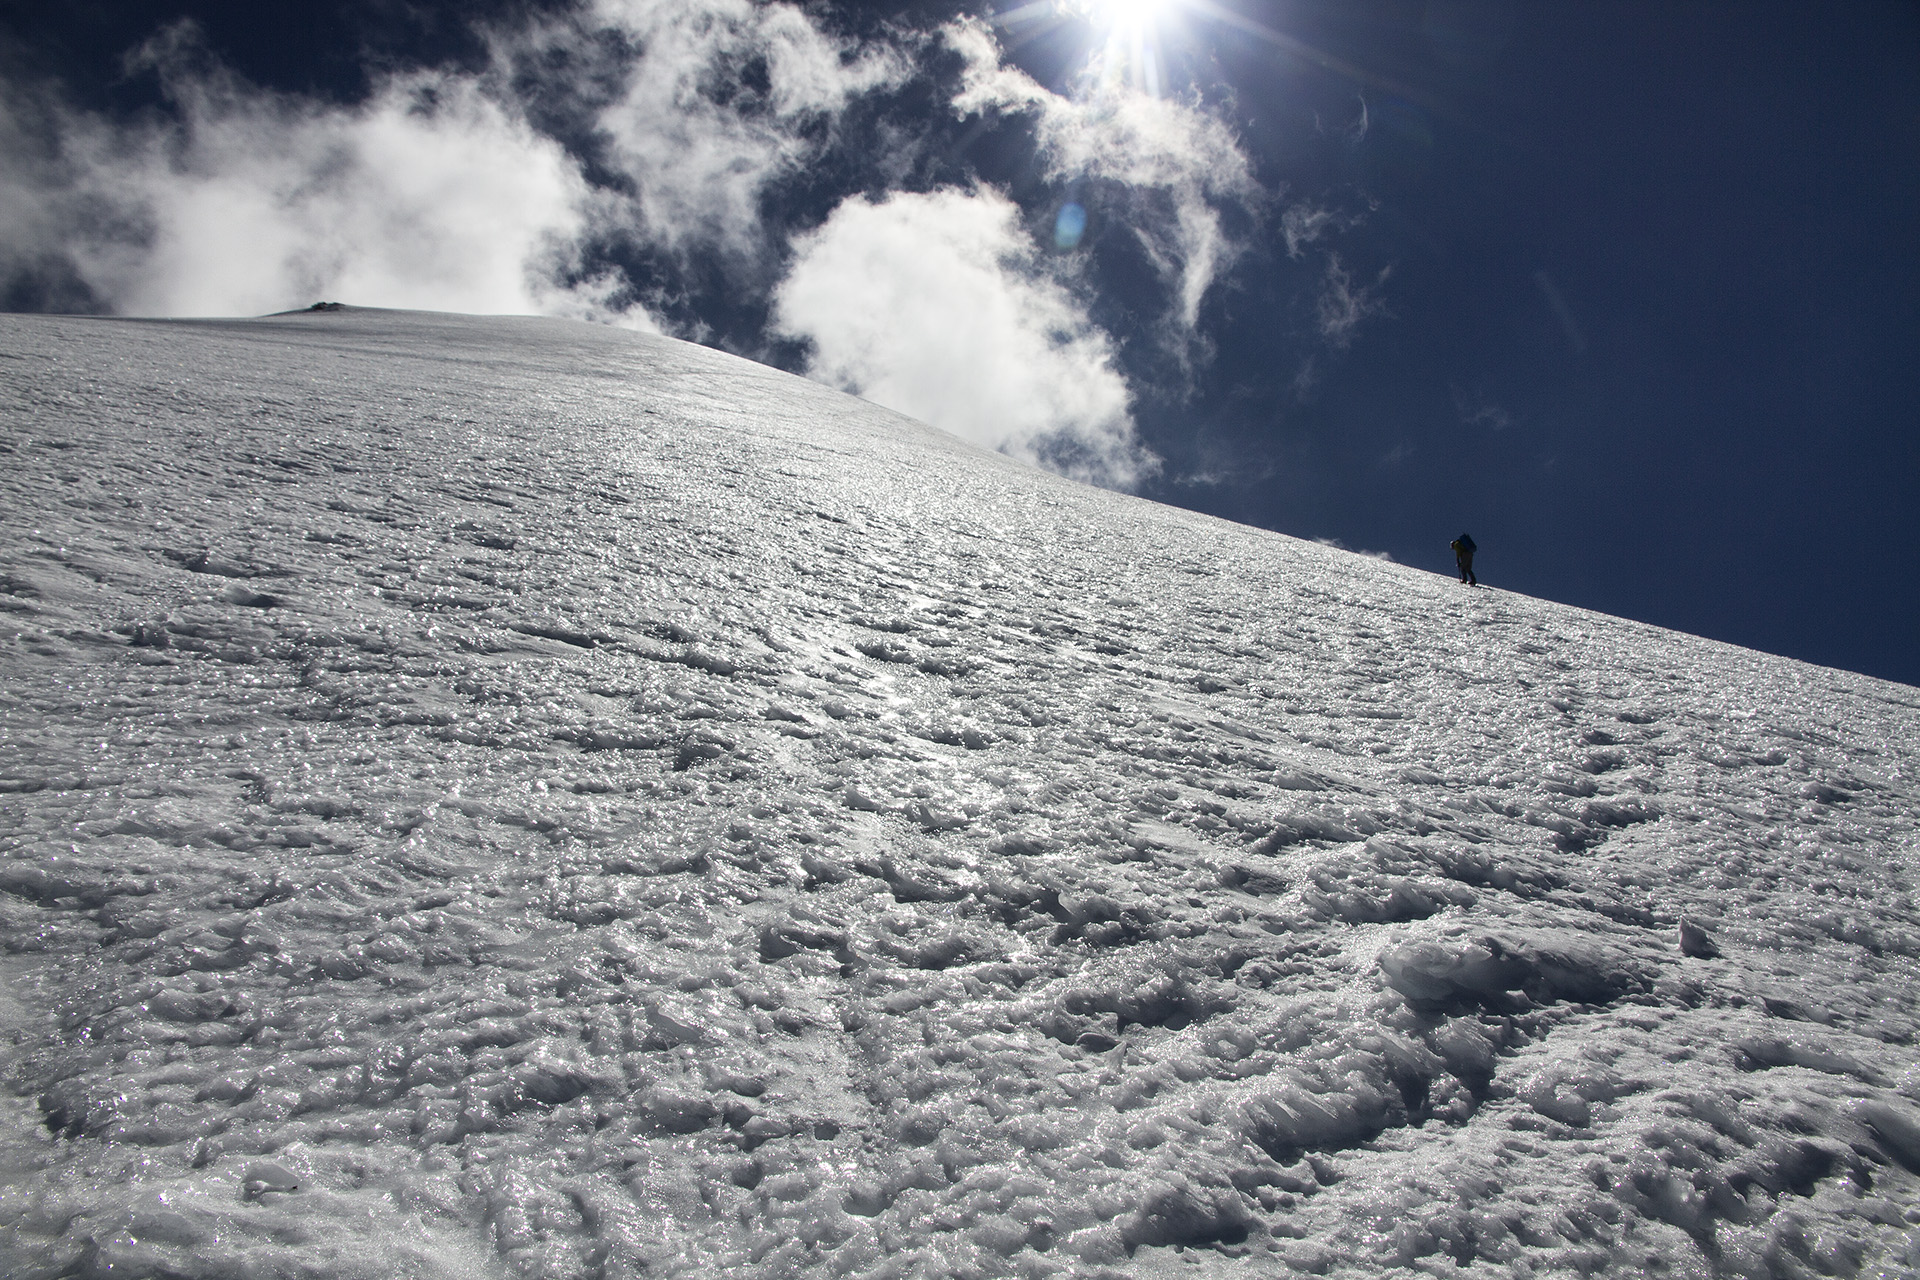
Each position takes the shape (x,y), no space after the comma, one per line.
(432,193)
(637,162)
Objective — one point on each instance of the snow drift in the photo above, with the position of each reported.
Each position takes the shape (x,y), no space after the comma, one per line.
(510,797)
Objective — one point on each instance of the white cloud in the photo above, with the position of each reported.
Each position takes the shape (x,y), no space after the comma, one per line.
(1302,224)
(700,146)
(436,192)
(432,194)
(987,83)
(1135,140)
(935,305)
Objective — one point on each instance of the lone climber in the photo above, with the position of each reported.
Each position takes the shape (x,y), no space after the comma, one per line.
(1463,550)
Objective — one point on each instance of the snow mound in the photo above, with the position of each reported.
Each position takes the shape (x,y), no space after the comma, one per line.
(501,796)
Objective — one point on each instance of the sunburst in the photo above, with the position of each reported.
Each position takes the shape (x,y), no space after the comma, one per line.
(1129,35)
(1131,54)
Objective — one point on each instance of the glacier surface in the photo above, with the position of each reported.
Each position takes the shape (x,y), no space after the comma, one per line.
(507,797)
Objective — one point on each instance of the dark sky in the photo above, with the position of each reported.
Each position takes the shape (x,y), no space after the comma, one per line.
(1638,284)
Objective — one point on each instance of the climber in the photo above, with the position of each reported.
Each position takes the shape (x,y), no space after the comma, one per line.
(1463,550)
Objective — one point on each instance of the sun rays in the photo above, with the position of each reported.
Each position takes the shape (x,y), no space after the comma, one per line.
(1129,35)
(1131,55)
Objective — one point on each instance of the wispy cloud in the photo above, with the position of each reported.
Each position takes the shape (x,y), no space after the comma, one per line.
(35,270)
(1239,470)
(1477,409)
(937,305)
(1344,304)
(698,142)
(1139,144)
(1302,224)
(1557,303)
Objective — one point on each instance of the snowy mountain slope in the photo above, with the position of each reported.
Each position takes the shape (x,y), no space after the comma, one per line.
(503,796)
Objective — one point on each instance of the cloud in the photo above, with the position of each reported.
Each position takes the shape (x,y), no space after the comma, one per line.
(1343,305)
(431,194)
(1240,471)
(1137,143)
(437,192)
(1477,409)
(716,100)
(1557,303)
(34,268)
(935,305)
(1302,224)
(987,83)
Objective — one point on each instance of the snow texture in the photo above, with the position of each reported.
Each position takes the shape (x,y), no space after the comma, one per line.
(507,797)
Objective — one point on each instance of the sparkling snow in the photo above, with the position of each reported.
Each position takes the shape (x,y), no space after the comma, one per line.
(505,797)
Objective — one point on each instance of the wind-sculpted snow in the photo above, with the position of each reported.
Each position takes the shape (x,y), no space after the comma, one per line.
(507,797)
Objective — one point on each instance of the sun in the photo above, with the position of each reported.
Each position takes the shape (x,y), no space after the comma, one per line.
(1128,13)
(1127,35)
(1124,17)
(1131,30)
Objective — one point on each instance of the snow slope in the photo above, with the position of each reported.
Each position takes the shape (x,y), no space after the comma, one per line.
(510,797)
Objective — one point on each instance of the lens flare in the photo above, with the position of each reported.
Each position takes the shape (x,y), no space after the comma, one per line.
(1069,226)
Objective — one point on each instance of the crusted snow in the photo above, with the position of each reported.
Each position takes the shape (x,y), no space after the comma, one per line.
(509,797)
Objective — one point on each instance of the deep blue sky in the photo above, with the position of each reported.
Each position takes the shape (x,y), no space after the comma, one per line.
(1649,324)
